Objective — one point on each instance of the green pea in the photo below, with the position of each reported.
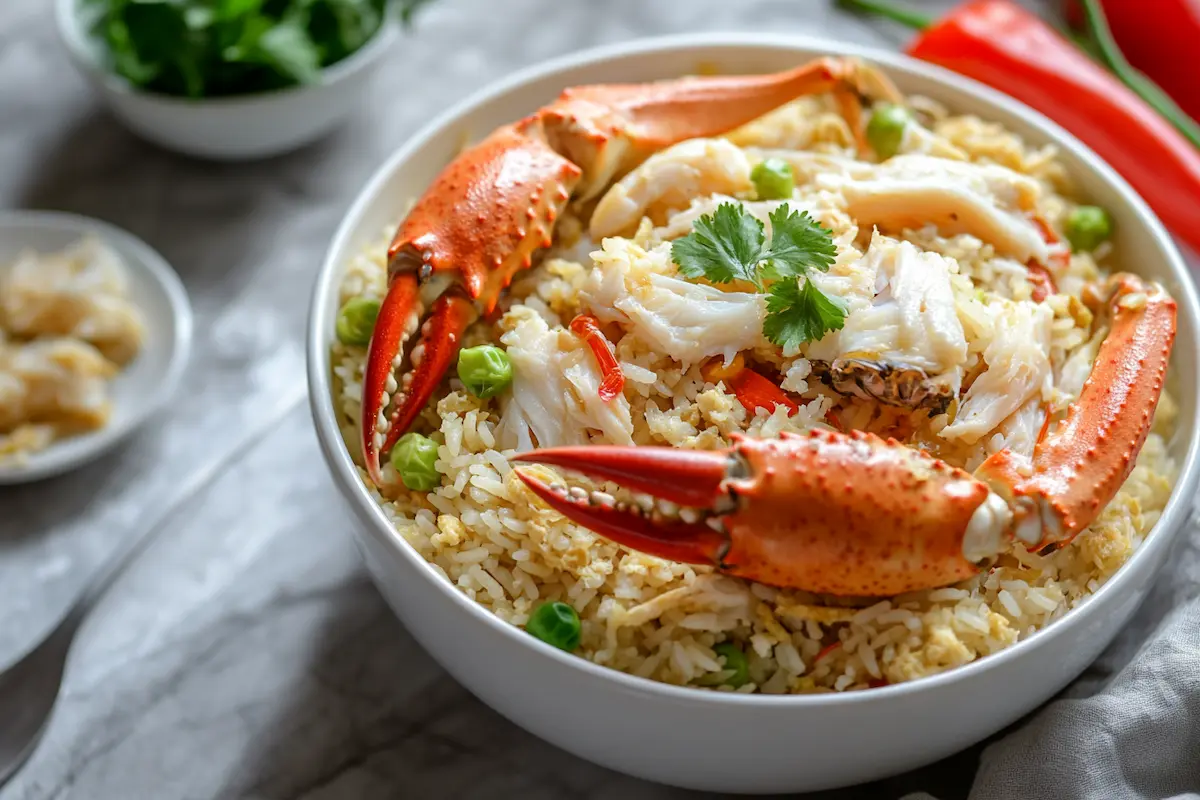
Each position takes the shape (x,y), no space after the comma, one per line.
(885,131)
(485,370)
(773,179)
(413,457)
(1087,227)
(735,661)
(556,624)
(356,320)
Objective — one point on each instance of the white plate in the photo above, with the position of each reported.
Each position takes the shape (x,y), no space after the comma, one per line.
(151,378)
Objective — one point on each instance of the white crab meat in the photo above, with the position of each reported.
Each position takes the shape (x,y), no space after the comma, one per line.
(668,181)
(913,191)
(1018,369)
(555,388)
(640,290)
(911,321)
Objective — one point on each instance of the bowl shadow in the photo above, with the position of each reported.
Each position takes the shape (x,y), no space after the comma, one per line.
(375,718)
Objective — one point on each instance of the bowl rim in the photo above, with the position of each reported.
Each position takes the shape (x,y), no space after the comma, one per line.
(345,473)
(75,40)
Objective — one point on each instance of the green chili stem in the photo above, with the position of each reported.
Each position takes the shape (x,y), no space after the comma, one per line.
(1114,59)
(904,16)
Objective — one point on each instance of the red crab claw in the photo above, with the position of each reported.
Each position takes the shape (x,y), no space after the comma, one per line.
(685,477)
(845,514)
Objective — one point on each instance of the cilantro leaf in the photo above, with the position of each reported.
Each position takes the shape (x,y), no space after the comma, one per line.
(798,243)
(729,245)
(798,314)
(724,246)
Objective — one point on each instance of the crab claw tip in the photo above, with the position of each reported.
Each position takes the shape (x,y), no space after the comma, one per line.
(691,543)
(684,477)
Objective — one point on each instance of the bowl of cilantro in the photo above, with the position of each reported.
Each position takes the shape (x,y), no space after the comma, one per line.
(230,79)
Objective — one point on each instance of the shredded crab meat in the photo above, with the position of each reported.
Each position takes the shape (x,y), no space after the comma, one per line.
(1018,368)
(667,181)
(641,291)
(555,389)
(914,191)
(910,321)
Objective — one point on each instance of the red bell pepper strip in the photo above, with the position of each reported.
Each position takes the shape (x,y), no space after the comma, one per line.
(1004,46)
(752,390)
(612,382)
(1159,37)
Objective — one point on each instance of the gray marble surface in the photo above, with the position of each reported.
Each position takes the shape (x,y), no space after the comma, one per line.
(246,655)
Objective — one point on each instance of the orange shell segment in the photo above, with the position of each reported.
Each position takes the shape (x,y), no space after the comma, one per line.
(849,514)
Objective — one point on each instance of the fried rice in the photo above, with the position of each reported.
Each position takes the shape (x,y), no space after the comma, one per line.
(486,534)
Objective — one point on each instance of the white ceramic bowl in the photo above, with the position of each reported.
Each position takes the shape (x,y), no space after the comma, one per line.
(232,128)
(728,742)
(147,383)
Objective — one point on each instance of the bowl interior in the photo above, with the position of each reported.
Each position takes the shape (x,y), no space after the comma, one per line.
(1142,243)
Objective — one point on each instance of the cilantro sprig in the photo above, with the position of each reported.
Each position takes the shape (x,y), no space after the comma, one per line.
(731,245)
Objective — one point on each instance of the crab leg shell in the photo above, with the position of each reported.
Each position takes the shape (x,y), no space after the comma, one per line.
(1079,466)
(610,128)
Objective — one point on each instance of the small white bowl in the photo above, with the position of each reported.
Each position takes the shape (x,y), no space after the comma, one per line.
(150,380)
(725,741)
(234,128)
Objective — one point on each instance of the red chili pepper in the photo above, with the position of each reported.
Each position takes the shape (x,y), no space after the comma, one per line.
(612,383)
(751,389)
(1010,49)
(1158,37)
(876,683)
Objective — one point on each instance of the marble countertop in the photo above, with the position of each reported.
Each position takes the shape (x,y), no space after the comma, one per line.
(246,654)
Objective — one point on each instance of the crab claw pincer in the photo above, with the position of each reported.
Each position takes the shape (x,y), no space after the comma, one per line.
(845,514)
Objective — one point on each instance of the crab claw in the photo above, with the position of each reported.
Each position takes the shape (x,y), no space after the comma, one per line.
(398,318)
(686,477)
(844,514)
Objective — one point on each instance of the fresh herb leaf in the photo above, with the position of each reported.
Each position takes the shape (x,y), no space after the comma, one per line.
(209,48)
(800,313)
(729,245)
(290,50)
(233,9)
(798,244)
(724,246)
